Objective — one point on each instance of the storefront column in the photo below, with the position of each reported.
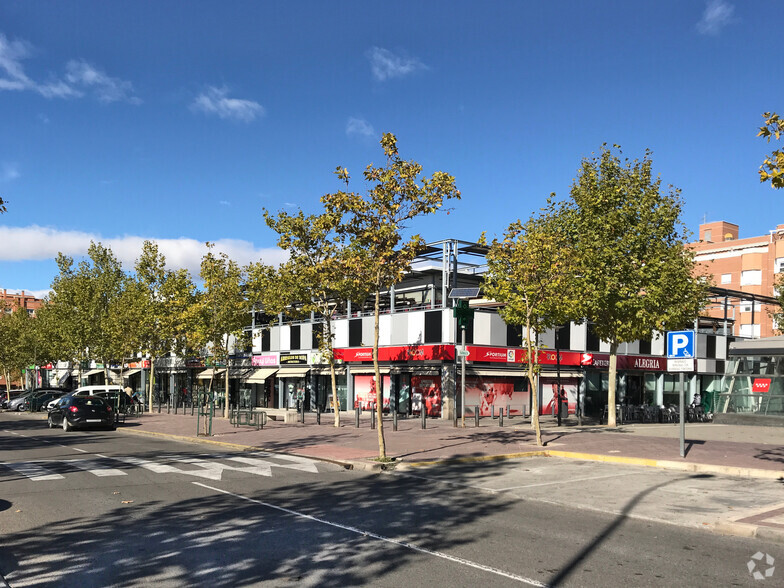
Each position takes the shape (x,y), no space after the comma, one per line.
(448,393)
(349,389)
(659,395)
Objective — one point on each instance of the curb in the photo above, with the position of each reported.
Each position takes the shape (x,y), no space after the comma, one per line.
(701,468)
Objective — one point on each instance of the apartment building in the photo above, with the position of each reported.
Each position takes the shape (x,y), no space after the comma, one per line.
(750,266)
(11,301)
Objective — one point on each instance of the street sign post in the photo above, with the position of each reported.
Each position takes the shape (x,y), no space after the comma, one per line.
(680,358)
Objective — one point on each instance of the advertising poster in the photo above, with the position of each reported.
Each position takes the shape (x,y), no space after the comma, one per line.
(427,390)
(488,391)
(365,392)
(549,388)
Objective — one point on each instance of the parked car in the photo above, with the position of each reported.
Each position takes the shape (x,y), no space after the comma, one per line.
(18,402)
(7,395)
(90,391)
(73,412)
(41,397)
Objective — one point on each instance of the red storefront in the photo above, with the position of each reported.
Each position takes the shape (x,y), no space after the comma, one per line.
(411,376)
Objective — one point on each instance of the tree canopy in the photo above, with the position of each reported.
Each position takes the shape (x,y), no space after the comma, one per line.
(772,169)
(378,254)
(637,275)
(531,271)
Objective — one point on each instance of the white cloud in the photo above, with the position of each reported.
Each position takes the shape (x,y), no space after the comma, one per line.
(359,126)
(717,15)
(216,101)
(8,171)
(35,243)
(79,76)
(386,65)
(106,88)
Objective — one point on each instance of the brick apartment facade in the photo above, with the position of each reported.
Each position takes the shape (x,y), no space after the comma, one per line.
(26,301)
(750,265)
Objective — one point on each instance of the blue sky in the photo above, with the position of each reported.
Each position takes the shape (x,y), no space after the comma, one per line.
(180,121)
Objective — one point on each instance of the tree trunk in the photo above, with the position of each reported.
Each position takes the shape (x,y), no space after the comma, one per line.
(333,379)
(611,417)
(152,381)
(533,382)
(382,448)
(226,395)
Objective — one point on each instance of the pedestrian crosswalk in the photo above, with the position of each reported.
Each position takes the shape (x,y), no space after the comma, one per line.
(205,466)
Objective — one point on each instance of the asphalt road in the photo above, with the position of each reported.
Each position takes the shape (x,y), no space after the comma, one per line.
(104,509)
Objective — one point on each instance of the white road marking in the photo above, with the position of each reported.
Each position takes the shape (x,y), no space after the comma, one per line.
(95,467)
(33,471)
(397,542)
(566,481)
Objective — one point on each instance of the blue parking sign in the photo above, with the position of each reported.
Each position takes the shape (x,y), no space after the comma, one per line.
(680,344)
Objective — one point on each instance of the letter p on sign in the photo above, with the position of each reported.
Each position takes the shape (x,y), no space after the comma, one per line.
(680,344)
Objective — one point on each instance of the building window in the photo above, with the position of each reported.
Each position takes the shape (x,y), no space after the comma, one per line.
(294,337)
(749,330)
(726,278)
(433,326)
(746,307)
(708,235)
(751,278)
(778,265)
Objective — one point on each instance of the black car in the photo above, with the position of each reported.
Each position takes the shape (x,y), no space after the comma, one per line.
(71,412)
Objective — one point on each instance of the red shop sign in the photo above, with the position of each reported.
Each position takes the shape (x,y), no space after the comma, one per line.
(398,353)
(518,355)
(761,385)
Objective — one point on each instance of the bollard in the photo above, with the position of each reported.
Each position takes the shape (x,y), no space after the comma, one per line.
(476,415)
(318,415)
(423,413)
(357,410)
(492,411)
(454,420)
(500,418)
(394,420)
(372,417)
(168,405)
(302,412)
(508,411)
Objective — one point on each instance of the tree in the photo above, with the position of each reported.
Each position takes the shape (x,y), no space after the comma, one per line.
(83,300)
(17,341)
(312,280)
(219,311)
(772,169)
(531,271)
(630,244)
(164,299)
(377,256)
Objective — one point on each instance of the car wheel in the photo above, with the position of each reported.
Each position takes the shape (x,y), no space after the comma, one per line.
(49,422)
(66,425)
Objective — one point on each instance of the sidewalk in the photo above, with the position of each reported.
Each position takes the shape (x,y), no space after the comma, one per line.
(733,450)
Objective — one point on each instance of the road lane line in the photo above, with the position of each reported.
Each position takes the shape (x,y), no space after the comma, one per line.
(567,481)
(397,542)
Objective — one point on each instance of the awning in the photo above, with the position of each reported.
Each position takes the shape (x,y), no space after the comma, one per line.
(208,373)
(322,371)
(92,373)
(299,372)
(369,370)
(129,373)
(758,347)
(258,376)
